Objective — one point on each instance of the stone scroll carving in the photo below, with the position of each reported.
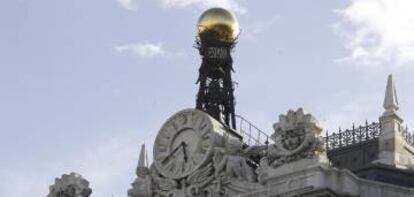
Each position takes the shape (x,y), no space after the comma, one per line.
(70,185)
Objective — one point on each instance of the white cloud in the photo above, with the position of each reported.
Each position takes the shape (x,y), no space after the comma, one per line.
(142,49)
(147,50)
(233,5)
(378,32)
(203,4)
(129,4)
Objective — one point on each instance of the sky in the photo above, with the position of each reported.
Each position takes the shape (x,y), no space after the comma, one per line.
(83,83)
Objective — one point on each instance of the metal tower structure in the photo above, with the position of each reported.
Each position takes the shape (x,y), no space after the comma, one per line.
(215,44)
(216,92)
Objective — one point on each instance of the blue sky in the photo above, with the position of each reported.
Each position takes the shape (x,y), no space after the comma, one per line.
(85,82)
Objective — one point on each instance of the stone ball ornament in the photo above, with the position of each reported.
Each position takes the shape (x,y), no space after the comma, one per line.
(220,22)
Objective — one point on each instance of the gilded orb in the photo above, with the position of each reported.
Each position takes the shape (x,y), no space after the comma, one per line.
(220,22)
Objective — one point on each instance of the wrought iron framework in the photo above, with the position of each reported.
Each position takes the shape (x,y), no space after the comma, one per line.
(251,134)
(215,95)
(353,136)
(408,136)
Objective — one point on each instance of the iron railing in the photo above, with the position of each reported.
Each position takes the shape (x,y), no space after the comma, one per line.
(353,136)
(343,138)
(408,136)
(250,133)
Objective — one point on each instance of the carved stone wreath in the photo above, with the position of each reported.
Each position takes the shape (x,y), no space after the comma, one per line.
(289,141)
(296,136)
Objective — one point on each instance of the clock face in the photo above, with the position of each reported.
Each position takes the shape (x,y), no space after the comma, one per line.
(183,144)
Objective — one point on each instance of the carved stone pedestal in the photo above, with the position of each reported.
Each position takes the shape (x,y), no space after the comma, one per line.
(318,160)
(324,181)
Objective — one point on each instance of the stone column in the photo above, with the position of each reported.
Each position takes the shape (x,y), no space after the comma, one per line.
(392,147)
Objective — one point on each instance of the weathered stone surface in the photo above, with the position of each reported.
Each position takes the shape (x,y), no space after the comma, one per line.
(142,186)
(296,139)
(317,180)
(70,185)
(193,136)
(393,149)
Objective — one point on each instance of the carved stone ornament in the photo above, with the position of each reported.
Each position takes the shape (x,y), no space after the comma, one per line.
(233,174)
(296,137)
(194,156)
(186,142)
(143,184)
(232,164)
(70,185)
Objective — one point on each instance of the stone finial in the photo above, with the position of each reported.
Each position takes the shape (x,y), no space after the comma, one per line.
(393,149)
(391,118)
(142,162)
(70,185)
(143,157)
(391,99)
(142,186)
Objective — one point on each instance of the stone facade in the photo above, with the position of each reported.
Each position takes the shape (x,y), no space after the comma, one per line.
(322,180)
(294,163)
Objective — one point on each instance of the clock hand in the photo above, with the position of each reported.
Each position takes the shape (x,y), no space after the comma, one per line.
(185,152)
(172,153)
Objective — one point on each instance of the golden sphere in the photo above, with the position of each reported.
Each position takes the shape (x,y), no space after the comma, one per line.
(221,22)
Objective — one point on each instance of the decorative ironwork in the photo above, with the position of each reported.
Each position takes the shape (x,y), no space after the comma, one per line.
(216,91)
(408,136)
(353,136)
(251,134)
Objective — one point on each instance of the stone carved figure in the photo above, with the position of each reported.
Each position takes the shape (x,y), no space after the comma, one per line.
(142,186)
(233,164)
(296,137)
(149,181)
(200,180)
(162,184)
(233,174)
(70,185)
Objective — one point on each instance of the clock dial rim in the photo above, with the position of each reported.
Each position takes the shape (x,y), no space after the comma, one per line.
(168,127)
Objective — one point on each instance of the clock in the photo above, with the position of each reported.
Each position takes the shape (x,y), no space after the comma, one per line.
(185,143)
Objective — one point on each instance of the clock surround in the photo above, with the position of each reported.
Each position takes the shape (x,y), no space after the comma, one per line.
(186,141)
